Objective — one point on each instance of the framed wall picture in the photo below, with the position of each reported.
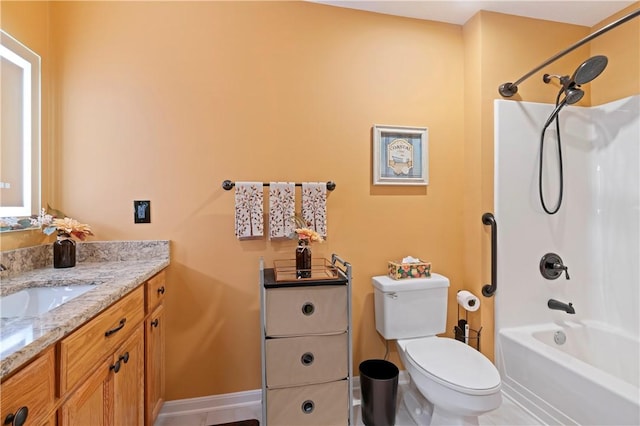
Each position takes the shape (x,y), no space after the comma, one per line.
(400,155)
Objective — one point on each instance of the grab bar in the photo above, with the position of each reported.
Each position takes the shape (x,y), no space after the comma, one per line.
(489,289)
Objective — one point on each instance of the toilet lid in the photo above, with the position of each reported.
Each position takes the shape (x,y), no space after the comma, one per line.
(454,364)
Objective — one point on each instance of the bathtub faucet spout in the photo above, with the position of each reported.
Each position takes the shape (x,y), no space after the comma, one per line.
(560,306)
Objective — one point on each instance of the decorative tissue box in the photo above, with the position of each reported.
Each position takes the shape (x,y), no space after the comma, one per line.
(399,270)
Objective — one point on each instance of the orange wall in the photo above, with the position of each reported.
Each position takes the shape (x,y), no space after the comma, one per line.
(165,100)
(622,47)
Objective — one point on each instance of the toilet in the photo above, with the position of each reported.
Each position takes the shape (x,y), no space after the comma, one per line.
(451,382)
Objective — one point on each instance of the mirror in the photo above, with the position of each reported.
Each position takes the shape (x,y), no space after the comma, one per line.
(19,134)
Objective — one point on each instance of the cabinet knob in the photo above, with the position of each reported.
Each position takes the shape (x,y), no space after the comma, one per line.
(308,308)
(161,290)
(18,418)
(155,323)
(308,406)
(307,359)
(115,367)
(124,357)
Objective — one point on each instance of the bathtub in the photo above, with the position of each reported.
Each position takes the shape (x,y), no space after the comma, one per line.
(590,379)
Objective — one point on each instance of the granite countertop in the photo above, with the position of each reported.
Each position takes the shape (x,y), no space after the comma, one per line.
(115,268)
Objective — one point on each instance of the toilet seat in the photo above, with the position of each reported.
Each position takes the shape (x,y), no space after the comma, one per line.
(454,364)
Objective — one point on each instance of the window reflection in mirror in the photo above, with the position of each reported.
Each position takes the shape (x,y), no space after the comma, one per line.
(19,133)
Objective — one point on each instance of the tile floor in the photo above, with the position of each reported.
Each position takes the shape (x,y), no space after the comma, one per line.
(509,414)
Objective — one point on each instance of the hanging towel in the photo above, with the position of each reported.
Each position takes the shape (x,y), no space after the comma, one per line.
(249,213)
(314,206)
(282,205)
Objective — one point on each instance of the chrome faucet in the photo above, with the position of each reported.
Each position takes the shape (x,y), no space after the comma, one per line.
(560,306)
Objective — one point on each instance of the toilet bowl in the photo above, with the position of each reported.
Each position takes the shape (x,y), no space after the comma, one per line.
(458,382)
(451,383)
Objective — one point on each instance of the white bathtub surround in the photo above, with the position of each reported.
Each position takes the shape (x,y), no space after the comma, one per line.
(249,220)
(597,234)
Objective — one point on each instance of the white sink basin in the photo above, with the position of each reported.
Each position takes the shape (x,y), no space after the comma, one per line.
(39,300)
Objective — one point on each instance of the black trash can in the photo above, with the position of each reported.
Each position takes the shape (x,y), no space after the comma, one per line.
(379,387)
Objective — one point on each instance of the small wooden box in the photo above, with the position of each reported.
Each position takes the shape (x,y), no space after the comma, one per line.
(399,270)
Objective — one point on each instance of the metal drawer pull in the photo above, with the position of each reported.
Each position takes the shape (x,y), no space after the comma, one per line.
(124,357)
(161,290)
(115,367)
(308,308)
(308,406)
(307,358)
(115,330)
(17,419)
(155,323)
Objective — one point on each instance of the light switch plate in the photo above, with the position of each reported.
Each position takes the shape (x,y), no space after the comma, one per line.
(142,211)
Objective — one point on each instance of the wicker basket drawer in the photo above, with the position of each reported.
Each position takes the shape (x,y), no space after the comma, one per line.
(306,310)
(304,360)
(326,404)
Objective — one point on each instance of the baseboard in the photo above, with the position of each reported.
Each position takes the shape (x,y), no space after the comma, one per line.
(230,407)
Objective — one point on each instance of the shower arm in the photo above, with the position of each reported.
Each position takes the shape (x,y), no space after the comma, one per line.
(509,89)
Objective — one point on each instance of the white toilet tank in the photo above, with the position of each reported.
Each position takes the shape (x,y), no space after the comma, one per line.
(414,307)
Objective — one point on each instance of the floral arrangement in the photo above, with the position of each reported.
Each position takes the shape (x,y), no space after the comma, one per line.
(71,227)
(303,233)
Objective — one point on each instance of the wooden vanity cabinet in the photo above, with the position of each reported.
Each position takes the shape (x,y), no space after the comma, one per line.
(109,371)
(128,383)
(83,349)
(154,347)
(32,391)
(112,393)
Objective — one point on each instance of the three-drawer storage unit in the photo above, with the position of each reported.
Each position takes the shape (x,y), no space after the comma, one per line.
(306,347)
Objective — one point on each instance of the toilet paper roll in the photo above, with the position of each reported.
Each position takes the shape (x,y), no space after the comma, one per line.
(468,300)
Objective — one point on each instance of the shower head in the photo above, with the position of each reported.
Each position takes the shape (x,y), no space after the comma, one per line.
(587,71)
(590,69)
(572,91)
(573,94)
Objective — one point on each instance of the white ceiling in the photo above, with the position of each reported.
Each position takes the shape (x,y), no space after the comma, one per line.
(583,12)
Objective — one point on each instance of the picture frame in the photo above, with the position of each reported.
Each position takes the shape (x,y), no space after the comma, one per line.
(400,155)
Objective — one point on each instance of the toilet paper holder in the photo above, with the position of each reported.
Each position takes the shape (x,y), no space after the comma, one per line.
(466,334)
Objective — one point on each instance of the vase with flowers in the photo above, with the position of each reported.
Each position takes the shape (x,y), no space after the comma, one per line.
(305,236)
(64,248)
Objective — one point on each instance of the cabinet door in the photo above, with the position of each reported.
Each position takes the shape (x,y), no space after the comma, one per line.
(156,289)
(30,391)
(128,381)
(97,339)
(90,403)
(154,355)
